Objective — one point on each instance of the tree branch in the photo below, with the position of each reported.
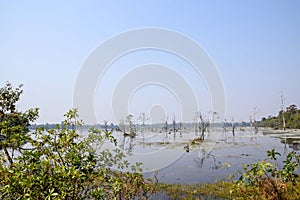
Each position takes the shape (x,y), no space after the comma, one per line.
(8,156)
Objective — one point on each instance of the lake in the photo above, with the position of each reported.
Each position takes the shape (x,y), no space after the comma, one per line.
(174,160)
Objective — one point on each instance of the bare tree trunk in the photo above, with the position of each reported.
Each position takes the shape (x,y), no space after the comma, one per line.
(203,125)
(166,128)
(255,112)
(225,124)
(233,126)
(8,157)
(180,128)
(105,125)
(282,108)
(202,133)
(174,127)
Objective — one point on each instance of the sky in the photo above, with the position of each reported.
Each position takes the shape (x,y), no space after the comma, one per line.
(255,45)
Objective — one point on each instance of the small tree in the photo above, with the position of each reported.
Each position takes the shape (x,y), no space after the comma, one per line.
(166,127)
(131,126)
(143,119)
(255,122)
(283,111)
(233,126)
(203,125)
(14,124)
(224,125)
(174,127)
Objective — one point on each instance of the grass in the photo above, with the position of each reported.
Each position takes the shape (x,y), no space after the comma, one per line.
(228,190)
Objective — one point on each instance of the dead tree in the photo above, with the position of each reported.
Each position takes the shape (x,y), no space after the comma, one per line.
(174,127)
(255,112)
(128,127)
(282,110)
(132,127)
(213,116)
(166,127)
(180,128)
(129,133)
(233,126)
(105,126)
(122,126)
(143,119)
(202,125)
(225,125)
(250,121)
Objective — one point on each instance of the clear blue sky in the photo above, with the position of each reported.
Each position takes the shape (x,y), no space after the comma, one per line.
(254,44)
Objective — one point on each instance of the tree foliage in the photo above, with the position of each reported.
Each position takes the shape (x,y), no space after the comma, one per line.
(271,180)
(14,131)
(291,115)
(60,163)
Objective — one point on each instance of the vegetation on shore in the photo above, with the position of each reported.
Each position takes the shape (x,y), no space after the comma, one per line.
(57,163)
(286,118)
(261,180)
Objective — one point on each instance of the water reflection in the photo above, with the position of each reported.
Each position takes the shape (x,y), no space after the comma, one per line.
(290,138)
(198,163)
(207,158)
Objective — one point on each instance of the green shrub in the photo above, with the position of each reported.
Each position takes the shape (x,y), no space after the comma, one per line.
(267,178)
(58,163)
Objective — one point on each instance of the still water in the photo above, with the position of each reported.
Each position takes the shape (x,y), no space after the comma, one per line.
(172,158)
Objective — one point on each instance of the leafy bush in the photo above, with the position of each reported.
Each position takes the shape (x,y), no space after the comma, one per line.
(268,178)
(14,131)
(59,163)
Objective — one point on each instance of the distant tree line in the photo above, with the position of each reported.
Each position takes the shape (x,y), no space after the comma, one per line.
(289,117)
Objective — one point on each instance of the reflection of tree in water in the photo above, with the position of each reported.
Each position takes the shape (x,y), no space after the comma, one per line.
(253,138)
(129,130)
(204,157)
(295,146)
(292,142)
(127,144)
